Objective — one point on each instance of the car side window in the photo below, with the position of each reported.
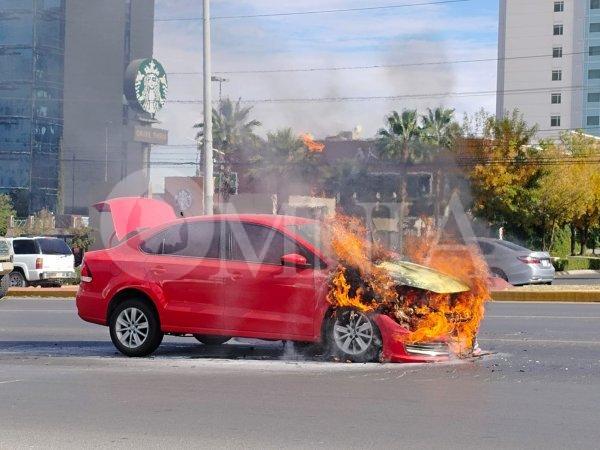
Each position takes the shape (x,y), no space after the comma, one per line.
(486,248)
(261,244)
(24,247)
(194,239)
(154,244)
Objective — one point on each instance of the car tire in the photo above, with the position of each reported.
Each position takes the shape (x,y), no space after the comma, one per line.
(211,340)
(4,285)
(135,329)
(17,279)
(499,273)
(353,336)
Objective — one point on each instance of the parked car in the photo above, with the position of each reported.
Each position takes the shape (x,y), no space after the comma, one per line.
(251,276)
(515,264)
(6,265)
(41,261)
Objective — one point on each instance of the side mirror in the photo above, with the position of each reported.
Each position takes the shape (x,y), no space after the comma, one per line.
(294,260)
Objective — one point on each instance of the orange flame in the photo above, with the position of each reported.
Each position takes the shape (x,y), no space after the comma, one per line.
(311,144)
(359,283)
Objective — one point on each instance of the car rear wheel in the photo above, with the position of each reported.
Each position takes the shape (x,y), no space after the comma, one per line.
(4,285)
(211,340)
(17,279)
(353,336)
(134,328)
(499,273)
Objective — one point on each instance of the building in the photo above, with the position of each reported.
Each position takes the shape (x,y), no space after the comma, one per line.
(549,63)
(67,136)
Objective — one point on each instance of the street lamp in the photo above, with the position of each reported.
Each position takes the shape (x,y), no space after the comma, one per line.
(209,187)
(219,80)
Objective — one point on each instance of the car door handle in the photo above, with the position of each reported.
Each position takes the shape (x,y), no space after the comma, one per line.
(158,270)
(236,276)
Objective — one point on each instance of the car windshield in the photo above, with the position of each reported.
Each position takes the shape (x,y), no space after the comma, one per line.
(515,247)
(53,246)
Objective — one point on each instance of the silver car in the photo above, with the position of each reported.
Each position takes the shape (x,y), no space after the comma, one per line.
(515,264)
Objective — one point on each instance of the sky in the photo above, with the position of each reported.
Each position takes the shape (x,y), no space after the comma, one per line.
(413,35)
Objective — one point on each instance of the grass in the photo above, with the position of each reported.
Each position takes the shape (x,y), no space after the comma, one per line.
(576,263)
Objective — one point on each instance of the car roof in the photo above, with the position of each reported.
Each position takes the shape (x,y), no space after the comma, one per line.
(263,219)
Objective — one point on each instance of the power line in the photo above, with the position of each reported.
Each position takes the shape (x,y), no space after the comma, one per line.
(374,66)
(313,12)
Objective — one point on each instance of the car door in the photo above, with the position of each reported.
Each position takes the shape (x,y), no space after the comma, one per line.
(184,262)
(265,298)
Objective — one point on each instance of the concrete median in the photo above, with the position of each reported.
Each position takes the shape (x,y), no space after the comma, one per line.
(66,292)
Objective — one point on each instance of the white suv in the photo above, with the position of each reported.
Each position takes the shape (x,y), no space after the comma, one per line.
(41,260)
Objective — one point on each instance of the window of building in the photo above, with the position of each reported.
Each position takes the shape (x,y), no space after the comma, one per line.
(595,4)
(594,74)
(558,30)
(555,121)
(594,27)
(559,6)
(557,75)
(594,97)
(595,50)
(557,52)
(593,121)
(556,99)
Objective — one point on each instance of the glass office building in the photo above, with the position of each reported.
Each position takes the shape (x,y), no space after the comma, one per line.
(31,89)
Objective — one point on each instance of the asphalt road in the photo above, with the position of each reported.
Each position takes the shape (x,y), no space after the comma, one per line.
(578,279)
(63,385)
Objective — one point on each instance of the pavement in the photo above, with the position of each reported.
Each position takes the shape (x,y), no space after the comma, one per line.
(63,385)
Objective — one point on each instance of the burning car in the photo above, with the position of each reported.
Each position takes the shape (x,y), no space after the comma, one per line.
(268,277)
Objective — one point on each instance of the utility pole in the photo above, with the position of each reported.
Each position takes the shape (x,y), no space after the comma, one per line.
(209,187)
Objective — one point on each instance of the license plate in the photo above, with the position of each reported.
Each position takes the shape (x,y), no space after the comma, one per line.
(545,263)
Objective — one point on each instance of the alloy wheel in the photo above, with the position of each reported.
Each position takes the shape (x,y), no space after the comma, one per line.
(353,333)
(132,327)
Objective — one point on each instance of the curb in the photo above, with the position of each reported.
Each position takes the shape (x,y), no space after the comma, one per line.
(567,273)
(547,296)
(39,293)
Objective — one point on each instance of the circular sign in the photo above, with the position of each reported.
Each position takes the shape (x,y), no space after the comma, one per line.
(146,85)
(184,199)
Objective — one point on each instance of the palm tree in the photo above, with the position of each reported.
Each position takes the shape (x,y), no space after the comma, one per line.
(284,158)
(233,130)
(402,131)
(439,128)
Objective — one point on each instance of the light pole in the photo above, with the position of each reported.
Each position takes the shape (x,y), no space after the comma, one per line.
(220,80)
(209,186)
(106,150)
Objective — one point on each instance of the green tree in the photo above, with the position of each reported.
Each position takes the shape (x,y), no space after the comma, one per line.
(283,159)
(233,131)
(400,136)
(504,174)
(6,210)
(439,128)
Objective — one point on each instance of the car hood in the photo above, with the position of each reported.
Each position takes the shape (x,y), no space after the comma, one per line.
(130,214)
(409,274)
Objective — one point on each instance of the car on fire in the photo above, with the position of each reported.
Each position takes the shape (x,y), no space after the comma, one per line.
(223,276)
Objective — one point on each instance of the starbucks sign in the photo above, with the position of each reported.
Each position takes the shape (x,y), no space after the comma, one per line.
(146,85)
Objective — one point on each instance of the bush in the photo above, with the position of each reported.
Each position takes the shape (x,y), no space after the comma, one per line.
(576,263)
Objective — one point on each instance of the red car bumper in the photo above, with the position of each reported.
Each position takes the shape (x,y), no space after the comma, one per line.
(396,350)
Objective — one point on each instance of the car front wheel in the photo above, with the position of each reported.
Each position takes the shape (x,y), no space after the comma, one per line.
(134,328)
(17,279)
(353,336)
(4,285)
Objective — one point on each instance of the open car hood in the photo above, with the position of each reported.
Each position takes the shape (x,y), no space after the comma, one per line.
(421,277)
(131,214)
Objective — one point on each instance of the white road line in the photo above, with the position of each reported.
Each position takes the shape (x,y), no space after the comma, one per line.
(538,341)
(10,381)
(545,317)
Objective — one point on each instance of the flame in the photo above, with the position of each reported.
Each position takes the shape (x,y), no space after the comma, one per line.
(311,144)
(359,283)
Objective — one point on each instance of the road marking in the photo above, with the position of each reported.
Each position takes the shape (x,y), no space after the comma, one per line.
(10,381)
(538,341)
(544,317)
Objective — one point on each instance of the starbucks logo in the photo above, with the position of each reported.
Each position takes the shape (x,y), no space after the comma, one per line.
(148,85)
(183,199)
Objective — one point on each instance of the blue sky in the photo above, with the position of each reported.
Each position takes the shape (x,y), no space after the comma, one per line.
(449,32)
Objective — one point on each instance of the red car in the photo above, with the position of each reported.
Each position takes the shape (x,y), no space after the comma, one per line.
(224,276)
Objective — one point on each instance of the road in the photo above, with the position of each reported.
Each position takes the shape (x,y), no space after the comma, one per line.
(63,385)
(579,279)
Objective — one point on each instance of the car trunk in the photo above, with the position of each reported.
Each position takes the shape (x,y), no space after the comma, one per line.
(56,255)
